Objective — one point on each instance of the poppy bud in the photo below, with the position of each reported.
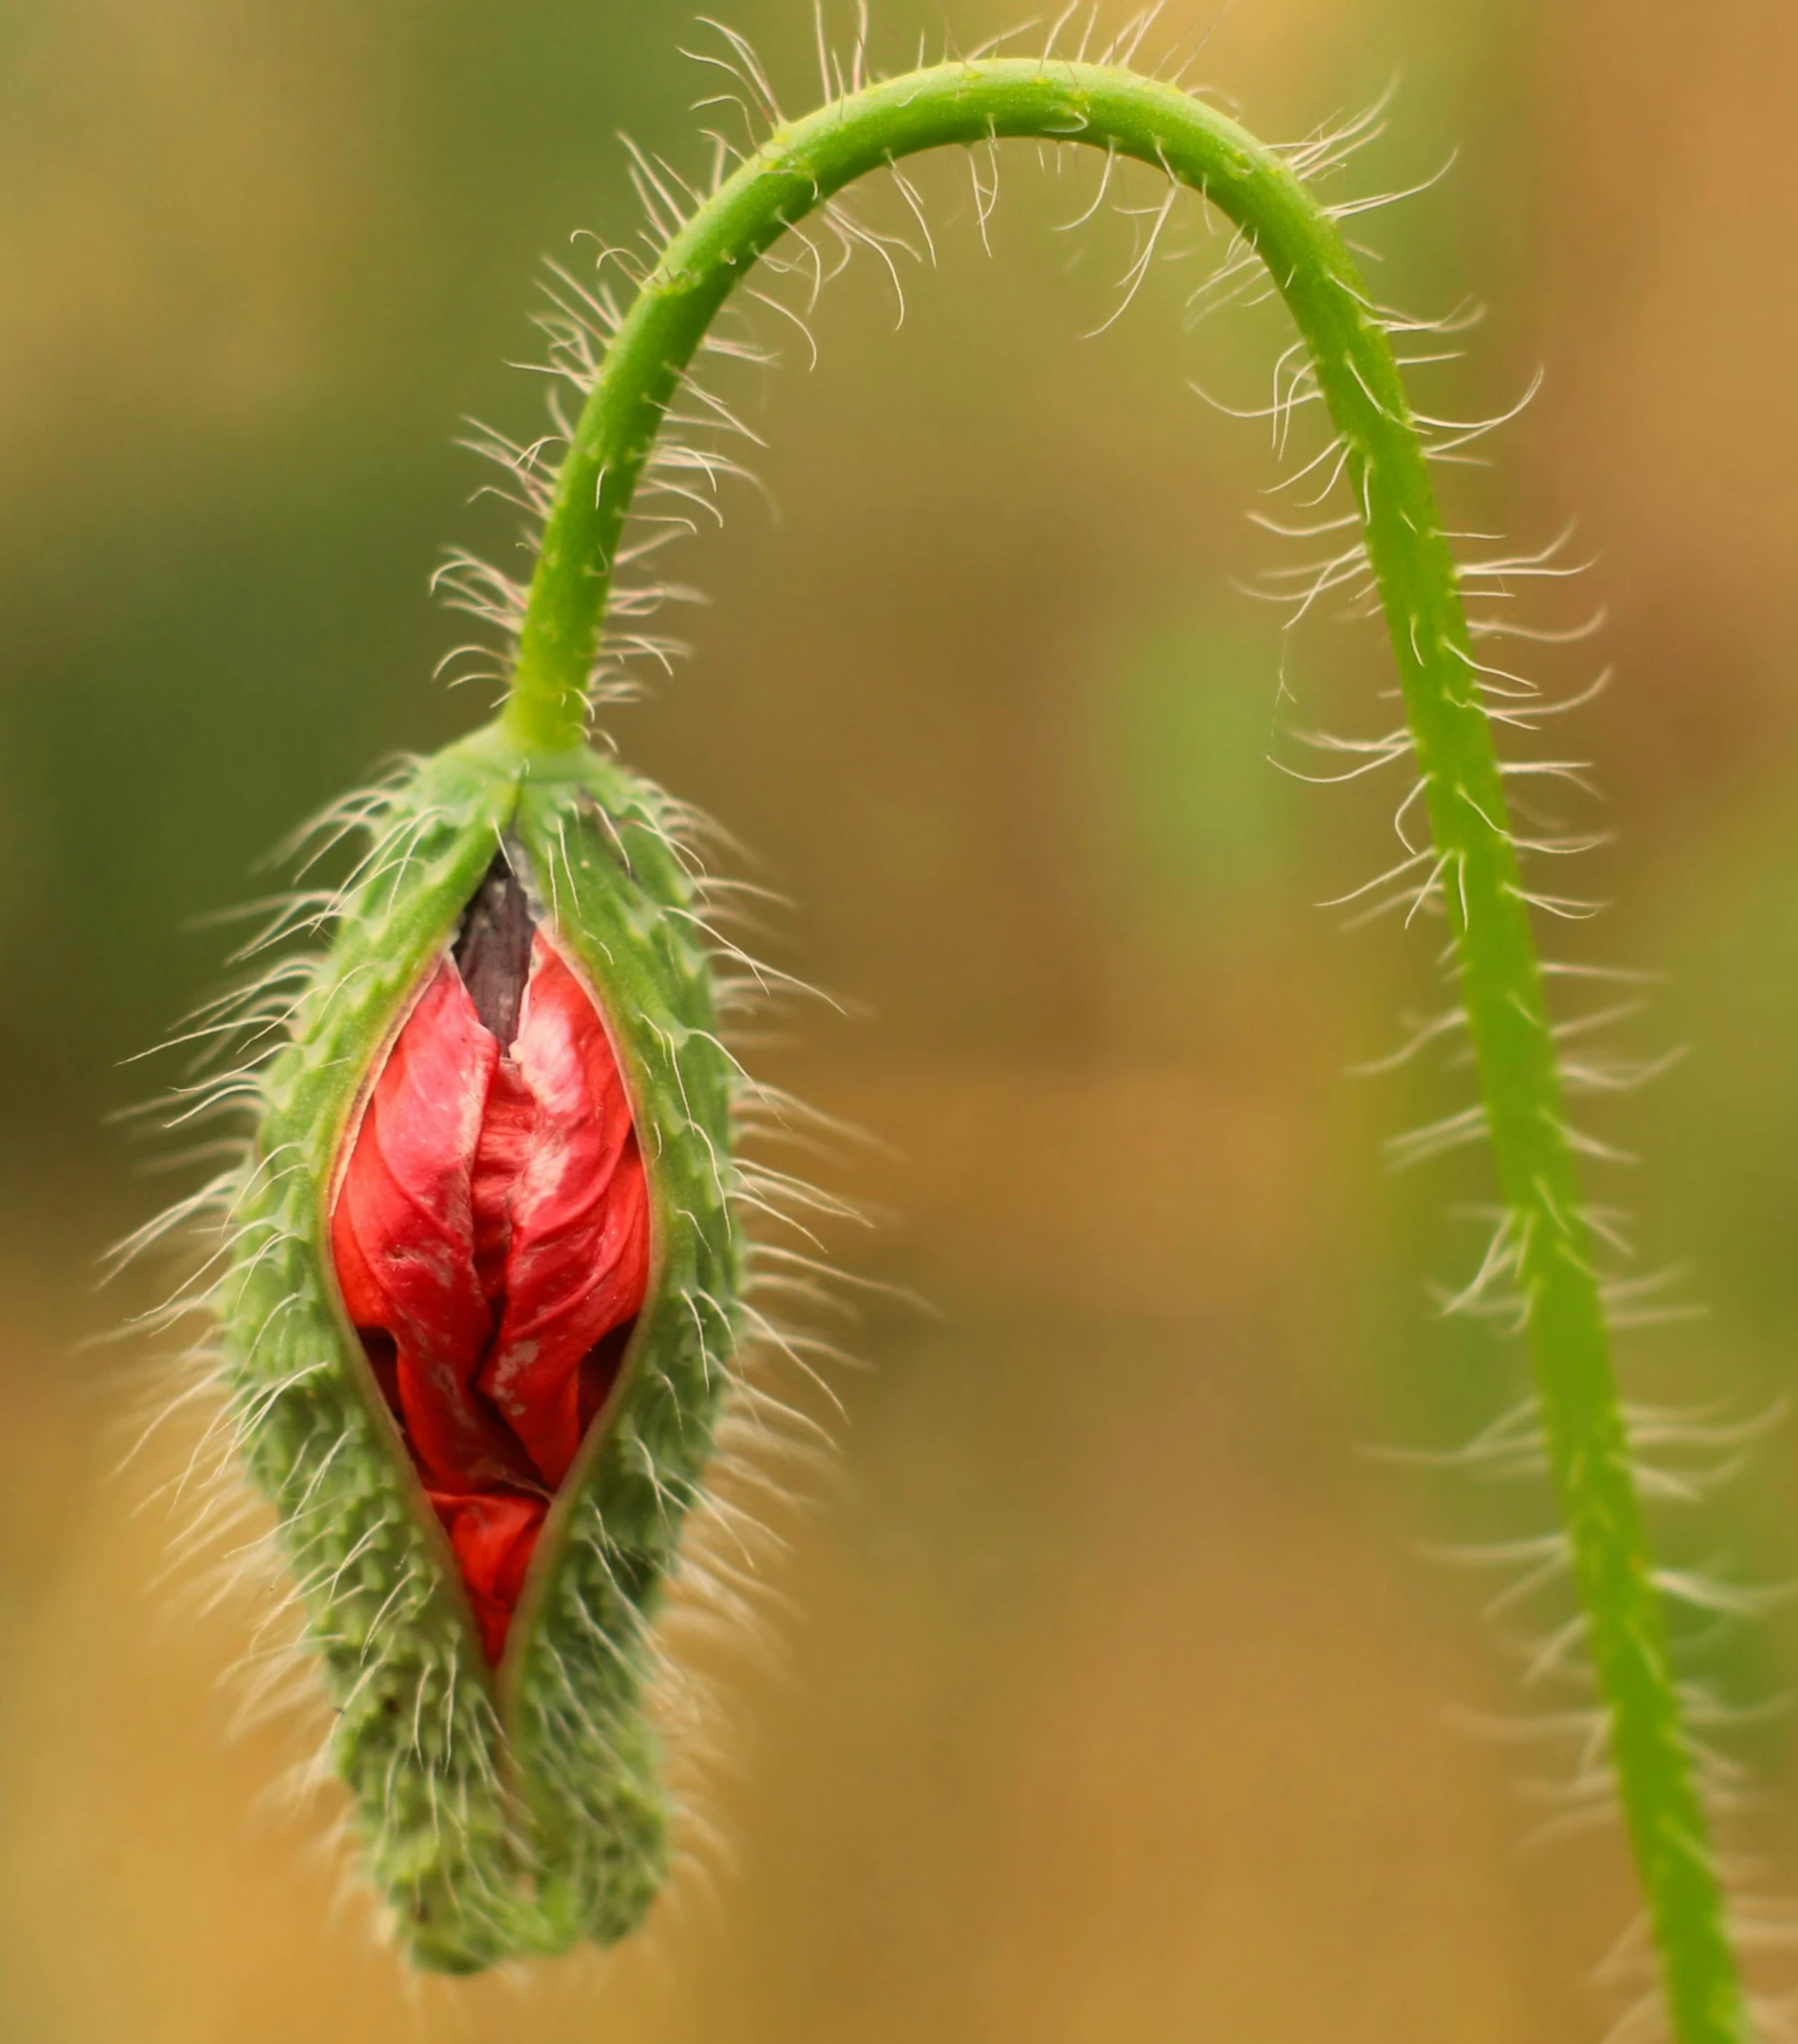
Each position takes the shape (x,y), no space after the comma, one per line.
(478,1319)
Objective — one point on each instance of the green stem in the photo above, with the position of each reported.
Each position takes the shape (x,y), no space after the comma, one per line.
(797,169)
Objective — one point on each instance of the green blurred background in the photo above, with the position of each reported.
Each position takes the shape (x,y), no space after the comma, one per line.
(1120,1702)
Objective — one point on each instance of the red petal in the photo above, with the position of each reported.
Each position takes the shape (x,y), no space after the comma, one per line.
(499,1159)
(494,1539)
(403,1236)
(579,1259)
(492,1238)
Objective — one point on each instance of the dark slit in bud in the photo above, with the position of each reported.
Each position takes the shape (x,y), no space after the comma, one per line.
(493,950)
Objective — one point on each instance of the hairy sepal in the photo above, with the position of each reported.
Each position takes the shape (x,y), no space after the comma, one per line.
(518,1809)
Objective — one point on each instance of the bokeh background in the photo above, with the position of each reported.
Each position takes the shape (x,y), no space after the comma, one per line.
(1123,1697)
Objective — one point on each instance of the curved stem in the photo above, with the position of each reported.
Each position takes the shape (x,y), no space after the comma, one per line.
(1476,858)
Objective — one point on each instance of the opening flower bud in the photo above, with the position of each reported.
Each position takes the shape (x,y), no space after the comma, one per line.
(478,1320)
(490,1236)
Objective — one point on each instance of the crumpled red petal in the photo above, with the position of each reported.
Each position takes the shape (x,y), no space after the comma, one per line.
(578,1257)
(492,1239)
(494,1536)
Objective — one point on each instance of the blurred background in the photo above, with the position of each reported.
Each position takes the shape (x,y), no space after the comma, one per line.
(1124,1698)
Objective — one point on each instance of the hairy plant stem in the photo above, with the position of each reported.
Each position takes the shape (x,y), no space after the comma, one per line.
(797,169)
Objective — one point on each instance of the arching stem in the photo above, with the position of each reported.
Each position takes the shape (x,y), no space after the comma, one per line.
(1476,859)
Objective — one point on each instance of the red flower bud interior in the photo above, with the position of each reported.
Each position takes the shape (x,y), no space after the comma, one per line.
(491,1237)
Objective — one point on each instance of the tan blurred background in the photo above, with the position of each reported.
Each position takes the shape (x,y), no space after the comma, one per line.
(1120,1703)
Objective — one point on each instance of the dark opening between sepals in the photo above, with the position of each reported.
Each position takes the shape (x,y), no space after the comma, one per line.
(493,950)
